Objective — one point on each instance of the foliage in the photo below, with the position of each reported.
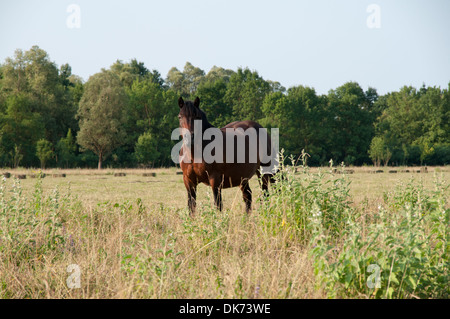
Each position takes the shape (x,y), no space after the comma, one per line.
(401,251)
(66,149)
(101,114)
(379,152)
(305,239)
(44,151)
(38,100)
(30,228)
(146,150)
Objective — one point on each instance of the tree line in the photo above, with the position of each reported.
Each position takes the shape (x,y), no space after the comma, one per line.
(123,116)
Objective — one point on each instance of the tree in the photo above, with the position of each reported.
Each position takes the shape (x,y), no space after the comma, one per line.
(212,93)
(101,115)
(146,149)
(309,120)
(44,151)
(132,71)
(144,106)
(175,80)
(186,82)
(379,151)
(66,149)
(218,73)
(33,75)
(352,123)
(245,93)
(193,76)
(20,129)
(414,124)
(302,121)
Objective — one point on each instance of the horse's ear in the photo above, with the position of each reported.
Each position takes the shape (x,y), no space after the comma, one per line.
(197,102)
(180,102)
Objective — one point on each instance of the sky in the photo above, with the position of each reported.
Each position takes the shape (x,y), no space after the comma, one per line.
(321,44)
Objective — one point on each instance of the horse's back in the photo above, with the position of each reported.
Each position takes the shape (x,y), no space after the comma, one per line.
(267,156)
(242,124)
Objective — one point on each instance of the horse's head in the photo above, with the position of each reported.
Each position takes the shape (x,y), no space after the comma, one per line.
(189,113)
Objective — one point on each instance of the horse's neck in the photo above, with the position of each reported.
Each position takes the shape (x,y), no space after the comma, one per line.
(206,125)
(189,150)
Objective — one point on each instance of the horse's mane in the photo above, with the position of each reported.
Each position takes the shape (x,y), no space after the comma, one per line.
(190,110)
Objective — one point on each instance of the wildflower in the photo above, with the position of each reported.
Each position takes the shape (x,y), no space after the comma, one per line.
(317,214)
(256,291)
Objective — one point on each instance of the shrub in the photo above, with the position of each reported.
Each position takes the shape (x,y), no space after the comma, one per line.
(400,250)
(405,242)
(30,228)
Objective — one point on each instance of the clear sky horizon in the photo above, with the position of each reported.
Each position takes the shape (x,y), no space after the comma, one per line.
(321,44)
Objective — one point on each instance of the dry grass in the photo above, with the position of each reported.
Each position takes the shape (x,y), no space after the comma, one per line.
(132,238)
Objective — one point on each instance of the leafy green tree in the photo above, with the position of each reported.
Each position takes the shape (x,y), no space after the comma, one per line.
(309,123)
(413,123)
(277,114)
(33,74)
(126,72)
(301,118)
(101,115)
(351,125)
(132,71)
(186,82)
(65,73)
(245,93)
(44,151)
(144,110)
(20,129)
(144,106)
(146,150)
(219,73)
(175,81)
(379,151)
(211,94)
(193,76)
(16,156)
(167,121)
(66,148)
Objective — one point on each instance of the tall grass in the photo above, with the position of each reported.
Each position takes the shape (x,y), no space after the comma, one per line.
(305,240)
(399,250)
(127,250)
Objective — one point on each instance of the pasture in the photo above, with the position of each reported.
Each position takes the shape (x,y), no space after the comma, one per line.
(131,236)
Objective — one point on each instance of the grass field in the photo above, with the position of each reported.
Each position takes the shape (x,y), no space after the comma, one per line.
(131,236)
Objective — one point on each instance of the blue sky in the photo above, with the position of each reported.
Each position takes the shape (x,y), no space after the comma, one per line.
(321,43)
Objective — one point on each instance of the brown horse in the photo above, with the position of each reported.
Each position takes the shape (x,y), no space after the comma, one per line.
(222,173)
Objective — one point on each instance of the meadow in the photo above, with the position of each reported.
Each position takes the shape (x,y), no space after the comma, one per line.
(320,234)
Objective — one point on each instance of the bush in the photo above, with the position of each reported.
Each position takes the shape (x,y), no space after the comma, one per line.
(440,156)
(400,250)
(405,243)
(30,228)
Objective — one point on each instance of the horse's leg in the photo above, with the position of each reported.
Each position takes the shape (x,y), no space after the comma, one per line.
(191,188)
(247,195)
(216,185)
(264,182)
(218,197)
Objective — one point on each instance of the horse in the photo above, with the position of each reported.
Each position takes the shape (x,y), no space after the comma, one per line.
(223,173)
